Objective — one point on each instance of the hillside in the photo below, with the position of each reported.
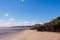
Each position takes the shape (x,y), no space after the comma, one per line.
(53,25)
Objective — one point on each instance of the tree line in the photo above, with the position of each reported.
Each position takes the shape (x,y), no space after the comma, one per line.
(53,25)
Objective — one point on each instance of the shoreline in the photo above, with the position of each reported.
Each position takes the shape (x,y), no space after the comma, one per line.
(5,33)
(33,35)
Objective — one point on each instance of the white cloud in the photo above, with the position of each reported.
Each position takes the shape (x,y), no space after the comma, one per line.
(22,0)
(6,14)
(23,23)
(11,19)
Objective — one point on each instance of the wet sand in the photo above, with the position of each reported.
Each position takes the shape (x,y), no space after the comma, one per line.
(33,35)
(8,32)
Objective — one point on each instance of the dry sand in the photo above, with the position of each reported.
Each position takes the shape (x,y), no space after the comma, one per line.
(33,35)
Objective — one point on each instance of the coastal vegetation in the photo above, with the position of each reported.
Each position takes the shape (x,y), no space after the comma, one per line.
(53,25)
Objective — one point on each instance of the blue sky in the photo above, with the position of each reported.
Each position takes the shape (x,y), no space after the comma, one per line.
(38,11)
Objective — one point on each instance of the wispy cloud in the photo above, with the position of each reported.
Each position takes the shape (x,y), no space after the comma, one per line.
(2,21)
(23,23)
(11,19)
(22,0)
(6,14)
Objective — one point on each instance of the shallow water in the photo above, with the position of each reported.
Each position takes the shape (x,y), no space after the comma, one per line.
(7,32)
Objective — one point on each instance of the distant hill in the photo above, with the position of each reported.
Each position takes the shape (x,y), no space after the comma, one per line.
(22,27)
(19,26)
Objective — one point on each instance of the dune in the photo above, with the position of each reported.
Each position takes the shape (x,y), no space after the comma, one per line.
(33,35)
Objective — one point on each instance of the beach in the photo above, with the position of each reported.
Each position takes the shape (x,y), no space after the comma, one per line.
(33,35)
(7,32)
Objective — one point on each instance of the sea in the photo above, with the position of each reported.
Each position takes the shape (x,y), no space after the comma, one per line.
(4,32)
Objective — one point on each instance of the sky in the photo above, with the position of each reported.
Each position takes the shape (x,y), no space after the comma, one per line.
(28,12)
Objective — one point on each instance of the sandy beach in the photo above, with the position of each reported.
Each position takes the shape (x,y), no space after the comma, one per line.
(33,35)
